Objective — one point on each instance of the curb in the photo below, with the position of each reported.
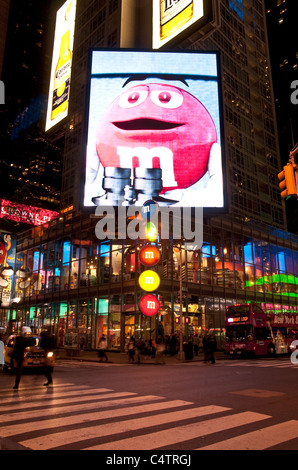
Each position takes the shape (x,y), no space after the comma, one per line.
(7,444)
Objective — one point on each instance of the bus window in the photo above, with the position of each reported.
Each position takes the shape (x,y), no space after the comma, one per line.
(292,334)
(239,333)
(256,309)
(262,333)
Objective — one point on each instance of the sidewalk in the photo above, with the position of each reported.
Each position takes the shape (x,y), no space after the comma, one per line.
(122,358)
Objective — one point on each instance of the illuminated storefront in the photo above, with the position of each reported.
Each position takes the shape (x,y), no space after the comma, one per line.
(70,281)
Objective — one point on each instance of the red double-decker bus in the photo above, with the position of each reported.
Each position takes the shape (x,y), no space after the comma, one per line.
(249,330)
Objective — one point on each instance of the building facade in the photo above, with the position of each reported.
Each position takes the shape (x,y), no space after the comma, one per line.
(74,283)
(82,287)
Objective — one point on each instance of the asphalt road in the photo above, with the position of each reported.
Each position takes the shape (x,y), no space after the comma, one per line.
(231,405)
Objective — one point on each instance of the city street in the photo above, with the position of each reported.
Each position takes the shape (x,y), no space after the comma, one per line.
(234,404)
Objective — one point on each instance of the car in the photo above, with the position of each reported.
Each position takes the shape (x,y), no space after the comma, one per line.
(34,355)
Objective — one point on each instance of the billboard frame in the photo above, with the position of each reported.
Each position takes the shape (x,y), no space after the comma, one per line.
(209,16)
(208,211)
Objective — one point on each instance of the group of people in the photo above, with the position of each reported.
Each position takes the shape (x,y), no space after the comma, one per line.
(150,348)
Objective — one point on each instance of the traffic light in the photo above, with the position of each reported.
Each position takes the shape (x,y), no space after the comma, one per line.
(149,257)
(287,180)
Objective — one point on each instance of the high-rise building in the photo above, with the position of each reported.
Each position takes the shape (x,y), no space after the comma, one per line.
(30,164)
(4,8)
(250,124)
(86,286)
(281,24)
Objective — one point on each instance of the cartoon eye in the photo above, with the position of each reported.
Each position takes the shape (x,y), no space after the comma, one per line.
(132,98)
(166,98)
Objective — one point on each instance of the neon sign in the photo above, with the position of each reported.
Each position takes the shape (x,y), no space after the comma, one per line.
(26,214)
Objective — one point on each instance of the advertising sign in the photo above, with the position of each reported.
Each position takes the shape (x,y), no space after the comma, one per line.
(149,305)
(26,214)
(154,130)
(61,64)
(7,265)
(171,17)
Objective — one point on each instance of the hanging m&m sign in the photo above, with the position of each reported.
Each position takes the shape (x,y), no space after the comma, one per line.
(149,305)
(149,281)
(149,256)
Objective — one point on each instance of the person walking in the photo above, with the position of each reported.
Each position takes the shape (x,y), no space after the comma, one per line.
(209,347)
(102,349)
(18,354)
(47,343)
(160,350)
(131,349)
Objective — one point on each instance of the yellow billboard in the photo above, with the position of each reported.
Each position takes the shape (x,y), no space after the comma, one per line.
(61,64)
(172,17)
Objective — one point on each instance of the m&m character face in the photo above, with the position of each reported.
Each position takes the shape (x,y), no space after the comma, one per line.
(157,126)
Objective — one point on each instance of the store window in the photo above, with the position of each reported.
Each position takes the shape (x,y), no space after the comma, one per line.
(104,263)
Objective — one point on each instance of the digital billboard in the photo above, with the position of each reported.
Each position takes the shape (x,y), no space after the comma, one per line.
(154,130)
(61,64)
(172,17)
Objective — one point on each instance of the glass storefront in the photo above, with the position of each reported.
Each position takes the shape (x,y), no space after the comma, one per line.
(81,288)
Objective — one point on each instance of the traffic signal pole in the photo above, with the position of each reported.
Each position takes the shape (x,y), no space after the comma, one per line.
(289,177)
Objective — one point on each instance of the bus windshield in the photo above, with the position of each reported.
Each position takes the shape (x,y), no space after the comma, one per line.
(239,333)
(238,310)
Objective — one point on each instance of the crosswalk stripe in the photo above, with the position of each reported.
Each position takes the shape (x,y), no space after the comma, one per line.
(179,434)
(260,439)
(50,394)
(89,417)
(65,437)
(39,387)
(62,401)
(70,408)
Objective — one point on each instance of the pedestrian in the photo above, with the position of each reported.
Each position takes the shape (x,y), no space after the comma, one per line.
(18,354)
(209,347)
(131,350)
(47,343)
(102,349)
(160,350)
(139,349)
(173,344)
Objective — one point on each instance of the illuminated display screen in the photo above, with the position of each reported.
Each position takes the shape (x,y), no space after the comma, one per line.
(171,17)
(61,64)
(154,130)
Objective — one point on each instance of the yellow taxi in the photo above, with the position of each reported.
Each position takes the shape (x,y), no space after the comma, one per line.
(34,355)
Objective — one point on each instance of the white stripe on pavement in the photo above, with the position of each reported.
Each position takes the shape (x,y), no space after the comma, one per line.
(63,438)
(175,435)
(61,401)
(10,430)
(38,387)
(50,394)
(260,439)
(70,408)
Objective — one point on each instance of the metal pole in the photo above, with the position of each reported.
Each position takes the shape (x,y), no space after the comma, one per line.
(181,353)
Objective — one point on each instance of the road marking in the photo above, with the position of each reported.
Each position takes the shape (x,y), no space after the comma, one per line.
(38,387)
(50,394)
(260,439)
(70,408)
(84,433)
(89,417)
(178,434)
(62,401)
